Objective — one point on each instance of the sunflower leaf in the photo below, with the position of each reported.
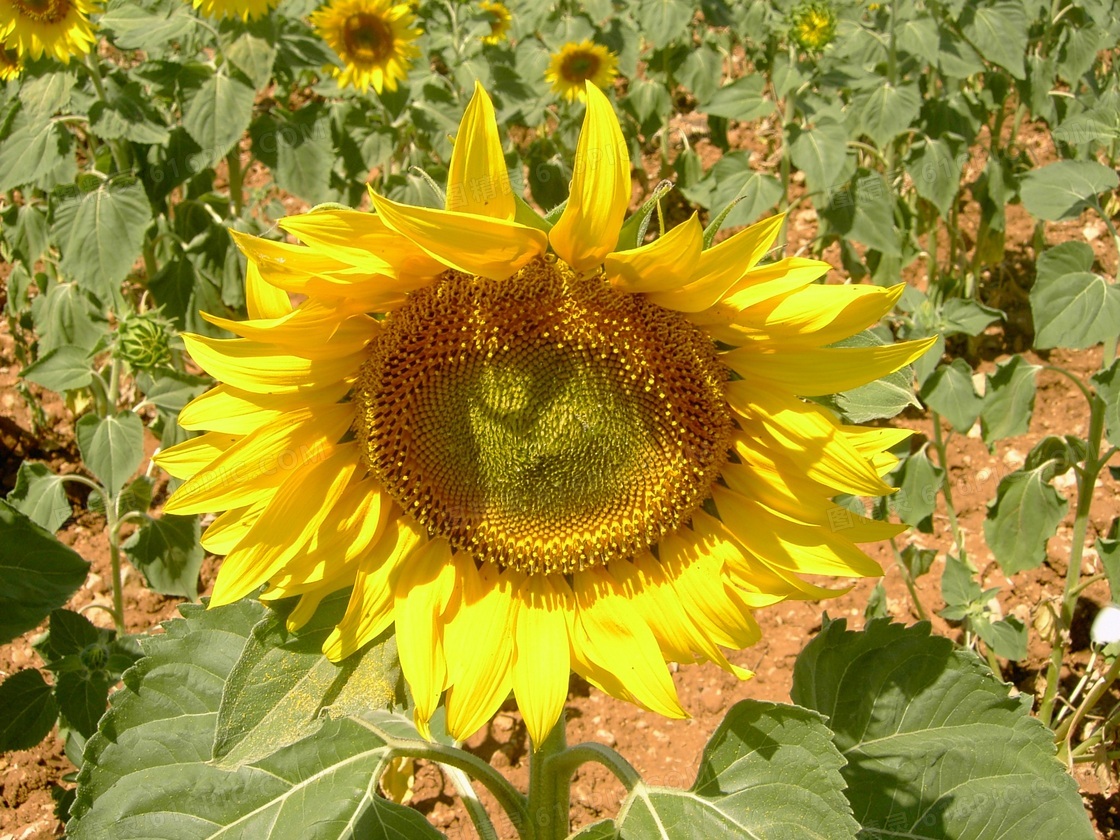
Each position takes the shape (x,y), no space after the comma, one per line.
(282,683)
(768,771)
(37,573)
(933,740)
(39,494)
(147,772)
(1022,518)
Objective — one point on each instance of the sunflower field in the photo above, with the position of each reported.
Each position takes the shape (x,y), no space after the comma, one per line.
(618,419)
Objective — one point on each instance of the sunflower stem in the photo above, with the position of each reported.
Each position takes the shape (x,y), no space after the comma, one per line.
(569,760)
(549,787)
(120,153)
(475,809)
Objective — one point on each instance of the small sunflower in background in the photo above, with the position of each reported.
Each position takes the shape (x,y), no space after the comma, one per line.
(56,28)
(373,39)
(10,65)
(576,64)
(499,18)
(813,26)
(548,452)
(246,10)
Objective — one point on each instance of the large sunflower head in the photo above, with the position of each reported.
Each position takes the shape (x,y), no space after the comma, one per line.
(528,447)
(499,18)
(227,9)
(57,28)
(373,39)
(576,64)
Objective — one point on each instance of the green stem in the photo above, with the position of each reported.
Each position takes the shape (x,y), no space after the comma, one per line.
(151,267)
(946,489)
(909,581)
(475,810)
(568,761)
(1069,729)
(512,802)
(120,153)
(1086,479)
(114,384)
(549,790)
(233,164)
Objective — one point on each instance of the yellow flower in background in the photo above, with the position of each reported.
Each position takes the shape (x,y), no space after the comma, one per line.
(228,9)
(500,18)
(10,65)
(576,64)
(57,28)
(373,39)
(814,26)
(546,453)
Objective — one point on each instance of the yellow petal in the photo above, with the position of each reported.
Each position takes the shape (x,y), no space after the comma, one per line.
(811,437)
(541,660)
(422,591)
(588,228)
(477,181)
(694,565)
(668,262)
(613,638)
(362,239)
(256,367)
(821,315)
(478,641)
(816,371)
(262,299)
(186,459)
(286,524)
(724,265)
(372,603)
(803,549)
(224,533)
(250,470)
(236,412)
(480,245)
(315,330)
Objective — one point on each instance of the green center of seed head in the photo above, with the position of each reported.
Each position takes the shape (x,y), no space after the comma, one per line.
(543,422)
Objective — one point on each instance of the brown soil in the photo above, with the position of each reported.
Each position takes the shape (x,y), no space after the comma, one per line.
(666,752)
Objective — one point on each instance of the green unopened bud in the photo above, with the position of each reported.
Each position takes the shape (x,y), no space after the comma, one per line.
(814,26)
(95,657)
(143,342)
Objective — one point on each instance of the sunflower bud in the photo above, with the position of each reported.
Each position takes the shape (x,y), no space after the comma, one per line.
(813,26)
(143,342)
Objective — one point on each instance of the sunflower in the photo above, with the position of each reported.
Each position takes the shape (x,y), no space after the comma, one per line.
(10,65)
(499,18)
(813,26)
(58,28)
(373,38)
(546,452)
(228,9)
(576,64)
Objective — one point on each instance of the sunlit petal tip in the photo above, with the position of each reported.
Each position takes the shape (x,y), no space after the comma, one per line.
(600,190)
(474,244)
(477,180)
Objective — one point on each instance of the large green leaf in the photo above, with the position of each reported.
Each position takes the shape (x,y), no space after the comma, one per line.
(1062,190)
(37,151)
(218,113)
(37,573)
(884,397)
(999,32)
(39,495)
(112,447)
(101,233)
(27,710)
(918,480)
(277,691)
(949,392)
(665,21)
(887,110)
(744,99)
(769,771)
(936,747)
(130,26)
(1008,400)
(820,152)
(936,173)
(168,552)
(1107,384)
(147,772)
(1022,517)
(1075,311)
(63,368)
